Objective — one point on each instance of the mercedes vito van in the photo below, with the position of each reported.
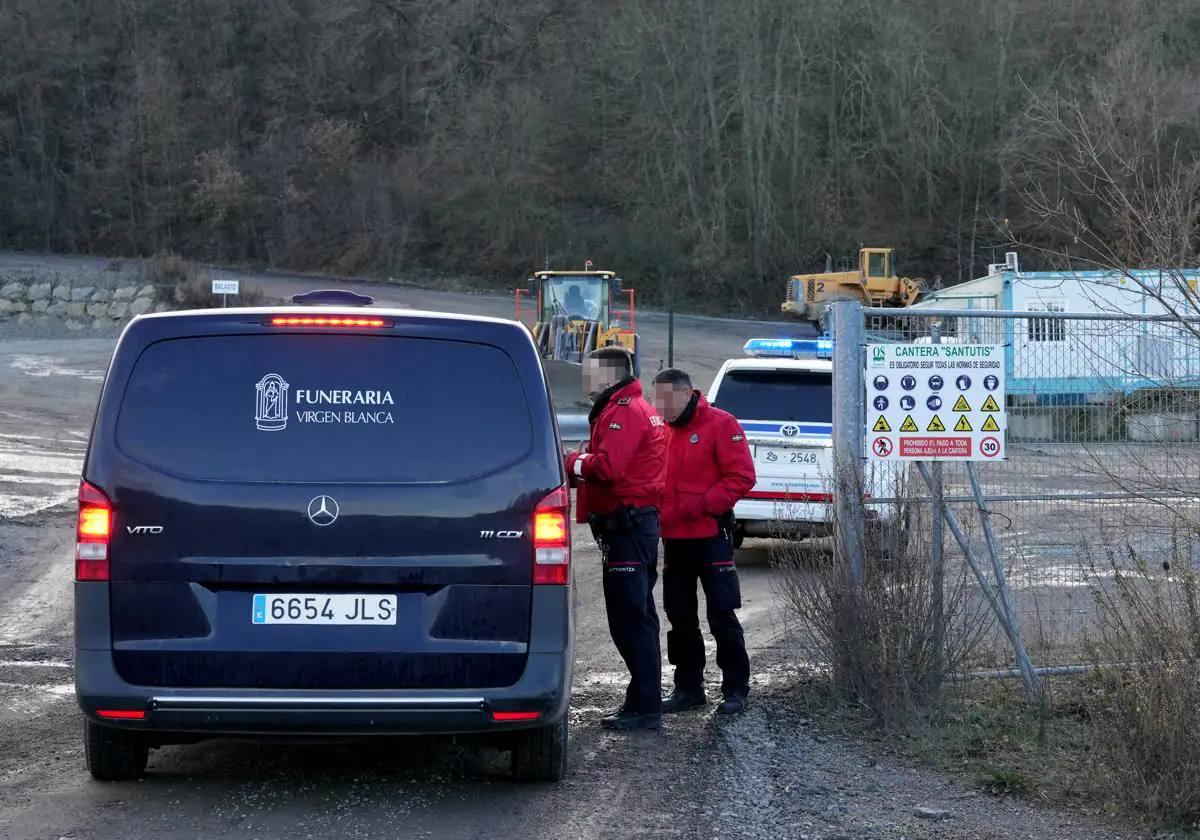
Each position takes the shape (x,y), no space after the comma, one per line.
(323,520)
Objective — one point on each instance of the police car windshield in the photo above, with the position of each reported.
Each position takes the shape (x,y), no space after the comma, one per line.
(798,396)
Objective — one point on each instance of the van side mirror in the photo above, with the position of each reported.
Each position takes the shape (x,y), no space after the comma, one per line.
(618,285)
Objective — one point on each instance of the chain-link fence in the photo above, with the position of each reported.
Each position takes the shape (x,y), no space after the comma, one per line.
(1103,459)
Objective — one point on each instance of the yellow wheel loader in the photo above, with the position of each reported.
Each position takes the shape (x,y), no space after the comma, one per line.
(874,283)
(570,314)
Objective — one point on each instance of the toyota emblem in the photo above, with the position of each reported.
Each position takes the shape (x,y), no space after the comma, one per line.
(323,510)
(790,430)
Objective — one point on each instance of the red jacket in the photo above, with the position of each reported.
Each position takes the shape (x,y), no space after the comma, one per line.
(709,469)
(625,458)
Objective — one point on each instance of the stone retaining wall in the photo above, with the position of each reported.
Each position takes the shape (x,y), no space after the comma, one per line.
(95,299)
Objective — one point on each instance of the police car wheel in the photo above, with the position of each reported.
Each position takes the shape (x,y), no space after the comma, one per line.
(114,755)
(540,755)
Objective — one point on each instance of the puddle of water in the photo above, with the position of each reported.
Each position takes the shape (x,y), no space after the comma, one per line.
(13,506)
(38,697)
(57,442)
(44,366)
(48,481)
(29,462)
(605,678)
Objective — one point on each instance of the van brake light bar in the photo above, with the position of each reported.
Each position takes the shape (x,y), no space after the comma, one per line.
(328,321)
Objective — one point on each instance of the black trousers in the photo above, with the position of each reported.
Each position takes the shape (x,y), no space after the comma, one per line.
(630,572)
(711,561)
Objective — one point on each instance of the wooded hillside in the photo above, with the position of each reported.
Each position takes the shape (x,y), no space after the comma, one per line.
(725,143)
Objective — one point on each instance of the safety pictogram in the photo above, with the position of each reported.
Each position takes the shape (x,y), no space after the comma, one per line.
(909,425)
(962,404)
(963,425)
(935,425)
(881,425)
(990,425)
(882,447)
(990,404)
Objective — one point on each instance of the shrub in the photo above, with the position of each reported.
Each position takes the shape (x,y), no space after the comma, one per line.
(188,286)
(880,639)
(1144,697)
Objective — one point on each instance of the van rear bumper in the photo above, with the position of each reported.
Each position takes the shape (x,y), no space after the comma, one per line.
(543,687)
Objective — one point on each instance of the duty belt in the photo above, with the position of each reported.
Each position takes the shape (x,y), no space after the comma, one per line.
(621,519)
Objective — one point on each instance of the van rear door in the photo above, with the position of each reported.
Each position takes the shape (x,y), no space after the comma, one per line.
(306,508)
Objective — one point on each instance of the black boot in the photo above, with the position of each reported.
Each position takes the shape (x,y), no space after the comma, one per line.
(627,721)
(733,704)
(680,701)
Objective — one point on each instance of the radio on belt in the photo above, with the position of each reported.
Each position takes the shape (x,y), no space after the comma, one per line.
(935,402)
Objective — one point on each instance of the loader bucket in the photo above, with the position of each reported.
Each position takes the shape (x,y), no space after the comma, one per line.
(566,386)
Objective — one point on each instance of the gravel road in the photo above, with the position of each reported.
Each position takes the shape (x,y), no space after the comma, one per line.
(768,774)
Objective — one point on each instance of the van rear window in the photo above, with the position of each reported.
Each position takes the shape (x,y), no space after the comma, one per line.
(327,408)
(797,396)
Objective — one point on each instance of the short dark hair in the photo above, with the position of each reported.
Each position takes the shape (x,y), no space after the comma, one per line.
(613,353)
(676,378)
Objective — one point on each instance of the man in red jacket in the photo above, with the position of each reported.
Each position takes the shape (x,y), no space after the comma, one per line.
(709,468)
(619,476)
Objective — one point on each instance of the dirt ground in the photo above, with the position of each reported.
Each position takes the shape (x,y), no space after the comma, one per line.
(770,773)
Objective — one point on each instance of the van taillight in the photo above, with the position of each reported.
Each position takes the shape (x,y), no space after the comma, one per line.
(92,533)
(552,539)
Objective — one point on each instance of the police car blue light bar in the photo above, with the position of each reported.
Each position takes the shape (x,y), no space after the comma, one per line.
(790,348)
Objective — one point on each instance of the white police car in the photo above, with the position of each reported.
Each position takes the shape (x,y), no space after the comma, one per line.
(782,394)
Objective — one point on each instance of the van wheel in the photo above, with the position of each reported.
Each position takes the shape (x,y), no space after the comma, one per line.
(114,755)
(540,755)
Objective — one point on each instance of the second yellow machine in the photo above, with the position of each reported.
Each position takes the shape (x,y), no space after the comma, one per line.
(874,283)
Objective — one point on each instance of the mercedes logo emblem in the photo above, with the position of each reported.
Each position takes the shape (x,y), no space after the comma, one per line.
(323,510)
(790,430)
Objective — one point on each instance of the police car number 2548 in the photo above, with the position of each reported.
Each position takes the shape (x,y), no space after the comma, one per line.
(785,456)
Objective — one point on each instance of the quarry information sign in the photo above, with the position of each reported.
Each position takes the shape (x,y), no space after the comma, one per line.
(935,402)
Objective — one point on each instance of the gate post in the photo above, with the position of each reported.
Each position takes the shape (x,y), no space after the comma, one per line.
(848,414)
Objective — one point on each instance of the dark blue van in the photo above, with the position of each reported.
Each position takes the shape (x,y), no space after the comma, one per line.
(323,521)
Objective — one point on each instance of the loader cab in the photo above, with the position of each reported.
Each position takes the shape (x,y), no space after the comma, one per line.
(579,297)
(876,263)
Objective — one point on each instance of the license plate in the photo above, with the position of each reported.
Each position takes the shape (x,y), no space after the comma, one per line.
(769,455)
(323,609)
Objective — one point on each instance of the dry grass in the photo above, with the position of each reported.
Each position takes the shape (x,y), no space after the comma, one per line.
(186,285)
(880,639)
(1146,694)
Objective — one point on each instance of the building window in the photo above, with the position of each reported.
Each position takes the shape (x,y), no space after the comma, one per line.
(1048,329)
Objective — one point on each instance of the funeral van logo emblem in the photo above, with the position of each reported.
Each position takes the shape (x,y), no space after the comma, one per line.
(271,413)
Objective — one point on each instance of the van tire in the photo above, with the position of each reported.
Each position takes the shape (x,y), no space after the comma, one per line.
(114,755)
(540,755)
